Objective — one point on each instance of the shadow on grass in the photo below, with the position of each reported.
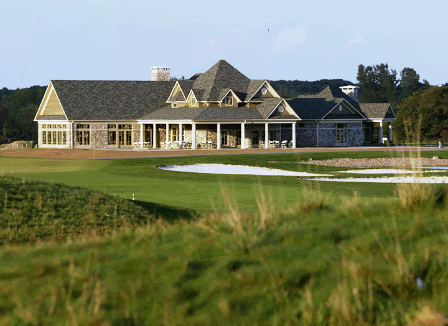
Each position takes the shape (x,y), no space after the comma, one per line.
(168,213)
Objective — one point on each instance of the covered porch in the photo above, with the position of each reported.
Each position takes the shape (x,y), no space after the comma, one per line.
(378,131)
(214,135)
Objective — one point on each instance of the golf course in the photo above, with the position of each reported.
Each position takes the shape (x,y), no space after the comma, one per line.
(128,242)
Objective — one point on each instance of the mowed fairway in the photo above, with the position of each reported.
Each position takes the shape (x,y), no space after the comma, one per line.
(199,193)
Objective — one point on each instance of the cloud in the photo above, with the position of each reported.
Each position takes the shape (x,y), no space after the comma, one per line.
(359,39)
(290,40)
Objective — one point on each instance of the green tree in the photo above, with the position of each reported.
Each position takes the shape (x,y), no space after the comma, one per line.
(423,116)
(21,108)
(410,82)
(378,84)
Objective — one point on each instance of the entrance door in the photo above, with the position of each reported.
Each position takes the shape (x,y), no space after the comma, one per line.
(255,137)
(125,138)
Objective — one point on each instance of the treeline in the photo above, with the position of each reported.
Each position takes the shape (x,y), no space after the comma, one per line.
(292,88)
(379,84)
(421,109)
(17,111)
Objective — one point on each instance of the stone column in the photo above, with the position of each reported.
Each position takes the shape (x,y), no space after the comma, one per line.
(243,136)
(381,132)
(266,135)
(294,135)
(218,135)
(193,135)
(390,132)
(154,135)
(180,135)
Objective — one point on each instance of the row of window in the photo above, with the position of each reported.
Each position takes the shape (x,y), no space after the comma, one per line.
(54,137)
(121,134)
(53,126)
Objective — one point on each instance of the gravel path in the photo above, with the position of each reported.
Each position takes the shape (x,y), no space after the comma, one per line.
(381,162)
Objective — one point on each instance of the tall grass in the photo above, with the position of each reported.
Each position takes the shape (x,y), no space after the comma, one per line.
(320,261)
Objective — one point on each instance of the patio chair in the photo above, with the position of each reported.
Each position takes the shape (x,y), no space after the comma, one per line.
(284,143)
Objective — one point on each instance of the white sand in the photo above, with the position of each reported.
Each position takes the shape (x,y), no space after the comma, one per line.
(237,169)
(253,170)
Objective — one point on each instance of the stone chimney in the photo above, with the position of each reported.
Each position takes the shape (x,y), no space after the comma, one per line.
(160,73)
(352,91)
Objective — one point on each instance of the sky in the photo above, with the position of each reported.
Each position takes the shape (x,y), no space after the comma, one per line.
(45,40)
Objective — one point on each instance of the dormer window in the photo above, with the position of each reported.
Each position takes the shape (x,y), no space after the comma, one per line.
(228,101)
(193,101)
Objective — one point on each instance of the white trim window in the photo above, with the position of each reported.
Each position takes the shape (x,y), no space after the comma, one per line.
(193,101)
(228,100)
(54,134)
(83,134)
(341,133)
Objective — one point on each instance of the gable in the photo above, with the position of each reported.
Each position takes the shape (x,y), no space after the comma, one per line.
(192,100)
(390,114)
(283,111)
(230,99)
(177,94)
(264,91)
(343,110)
(50,105)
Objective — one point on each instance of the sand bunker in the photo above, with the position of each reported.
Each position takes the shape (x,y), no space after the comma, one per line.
(237,169)
(253,170)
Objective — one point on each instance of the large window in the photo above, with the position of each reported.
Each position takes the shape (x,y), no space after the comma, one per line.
(274,135)
(119,134)
(174,134)
(341,132)
(54,134)
(83,134)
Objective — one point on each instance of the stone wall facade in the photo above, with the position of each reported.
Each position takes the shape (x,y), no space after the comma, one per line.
(355,134)
(306,135)
(135,132)
(98,135)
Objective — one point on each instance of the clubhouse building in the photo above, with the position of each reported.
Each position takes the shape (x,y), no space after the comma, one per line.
(220,108)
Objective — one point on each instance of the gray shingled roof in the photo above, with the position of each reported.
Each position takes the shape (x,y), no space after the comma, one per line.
(316,106)
(169,113)
(111,100)
(218,113)
(376,110)
(268,106)
(221,75)
(310,108)
(186,86)
(178,97)
(252,88)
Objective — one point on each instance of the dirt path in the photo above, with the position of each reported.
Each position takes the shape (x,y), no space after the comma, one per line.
(406,162)
(89,154)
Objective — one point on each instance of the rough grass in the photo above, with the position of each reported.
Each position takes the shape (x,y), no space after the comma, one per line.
(316,262)
(33,211)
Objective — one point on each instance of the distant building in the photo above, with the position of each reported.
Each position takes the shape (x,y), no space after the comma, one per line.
(220,108)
